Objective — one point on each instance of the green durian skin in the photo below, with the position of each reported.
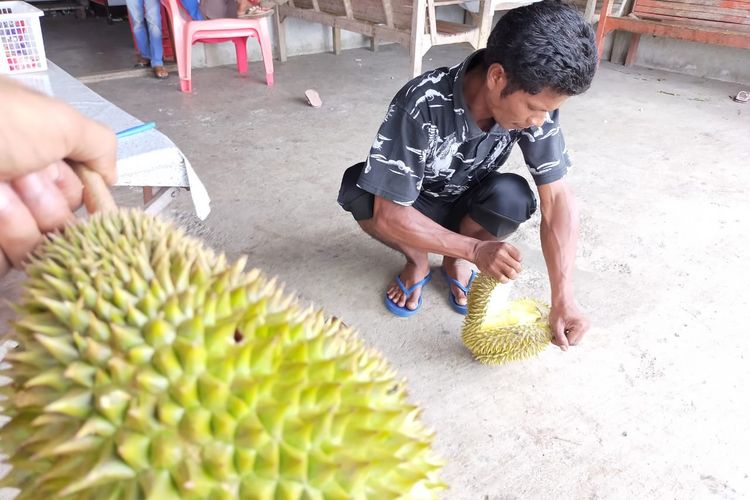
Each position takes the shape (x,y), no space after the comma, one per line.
(501,344)
(148,367)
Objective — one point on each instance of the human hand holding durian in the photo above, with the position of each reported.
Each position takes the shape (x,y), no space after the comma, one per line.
(38,190)
(148,367)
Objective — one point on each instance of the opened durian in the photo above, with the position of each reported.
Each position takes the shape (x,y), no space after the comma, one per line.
(496,330)
(149,368)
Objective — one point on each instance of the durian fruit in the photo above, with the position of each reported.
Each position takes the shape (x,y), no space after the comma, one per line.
(150,368)
(497,331)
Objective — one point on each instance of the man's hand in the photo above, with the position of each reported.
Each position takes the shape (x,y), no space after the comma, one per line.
(38,190)
(500,260)
(568,325)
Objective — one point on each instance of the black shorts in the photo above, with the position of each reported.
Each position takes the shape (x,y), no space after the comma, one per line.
(499,203)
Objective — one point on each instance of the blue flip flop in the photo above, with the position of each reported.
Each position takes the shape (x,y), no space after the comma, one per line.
(452,298)
(405,312)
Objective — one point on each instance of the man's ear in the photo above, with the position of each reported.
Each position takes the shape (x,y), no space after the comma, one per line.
(497,78)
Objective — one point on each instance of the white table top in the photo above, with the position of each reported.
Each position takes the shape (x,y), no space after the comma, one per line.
(147,159)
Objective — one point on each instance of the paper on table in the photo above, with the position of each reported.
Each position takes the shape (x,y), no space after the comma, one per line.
(201,200)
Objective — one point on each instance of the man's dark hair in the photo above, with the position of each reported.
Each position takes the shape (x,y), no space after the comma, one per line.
(547,44)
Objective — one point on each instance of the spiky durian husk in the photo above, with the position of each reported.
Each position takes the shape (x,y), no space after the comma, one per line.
(150,368)
(524,333)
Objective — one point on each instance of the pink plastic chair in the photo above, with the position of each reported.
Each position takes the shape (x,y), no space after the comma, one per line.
(187,32)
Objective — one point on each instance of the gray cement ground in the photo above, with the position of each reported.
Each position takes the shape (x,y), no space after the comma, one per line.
(88,46)
(653,404)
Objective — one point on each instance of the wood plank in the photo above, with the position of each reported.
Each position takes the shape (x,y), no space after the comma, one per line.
(355,25)
(694,34)
(280,35)
(432,21)
(336,40)
(635,40)
(402,14)
(647,5)
(368,10)
(449,28)
(372,13)
(740,8)
(588,14)
(417,47)
(725,24)
(348,9)
(603,25)
(387,34)
(308,15)
(710,25)
(645,12)
(388,11)
(724,4)
(334,7)
(732,28)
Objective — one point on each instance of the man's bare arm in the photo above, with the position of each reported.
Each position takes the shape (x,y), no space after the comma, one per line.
(407,226)
(559,235)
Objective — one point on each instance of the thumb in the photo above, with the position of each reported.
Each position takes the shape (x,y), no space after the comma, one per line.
(559,337)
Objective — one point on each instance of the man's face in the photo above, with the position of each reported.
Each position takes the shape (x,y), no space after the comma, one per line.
(519,109)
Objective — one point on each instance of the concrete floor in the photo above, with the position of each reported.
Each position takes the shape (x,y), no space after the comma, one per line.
(84,47)
(653,404)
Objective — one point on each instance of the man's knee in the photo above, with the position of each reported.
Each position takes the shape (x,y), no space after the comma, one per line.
(505,201)
(136,13)
(138,22)
(153,22)
(352,198)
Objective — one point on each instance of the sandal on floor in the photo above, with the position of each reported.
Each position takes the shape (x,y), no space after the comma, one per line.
(142,63)
(313,98)
(460,309)
(405,312)
(255,11)
(161,72)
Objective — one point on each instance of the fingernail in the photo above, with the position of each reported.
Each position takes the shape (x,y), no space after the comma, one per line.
(53,172)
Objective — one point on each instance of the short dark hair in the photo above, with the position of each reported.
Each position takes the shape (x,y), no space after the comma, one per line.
(547,44)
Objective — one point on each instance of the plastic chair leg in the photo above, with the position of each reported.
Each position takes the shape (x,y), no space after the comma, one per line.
(264,38)
(240,47)
(186,70)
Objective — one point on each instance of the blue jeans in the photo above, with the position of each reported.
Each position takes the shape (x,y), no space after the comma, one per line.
(193,8)
(146,18)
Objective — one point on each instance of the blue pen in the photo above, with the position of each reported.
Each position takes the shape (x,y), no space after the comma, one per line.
(136,130)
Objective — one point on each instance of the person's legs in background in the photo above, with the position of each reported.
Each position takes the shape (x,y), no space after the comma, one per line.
(138,22)
(153,21)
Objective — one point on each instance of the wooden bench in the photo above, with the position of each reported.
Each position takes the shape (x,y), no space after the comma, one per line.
(721,22)
(411,23)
